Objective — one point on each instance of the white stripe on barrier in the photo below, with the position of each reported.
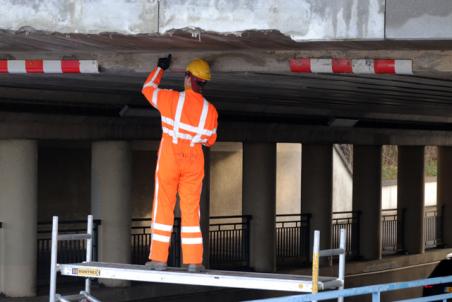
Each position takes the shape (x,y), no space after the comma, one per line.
(89,66)
(321,66)
(16,66)
(52,66)
(363,66)
(403,67)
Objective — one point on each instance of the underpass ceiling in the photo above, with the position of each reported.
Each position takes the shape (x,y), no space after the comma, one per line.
(415,102)
(377,101)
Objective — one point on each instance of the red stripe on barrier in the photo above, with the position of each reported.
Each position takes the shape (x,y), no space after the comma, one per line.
(3,66)
(384,66)
(70,66)
(300,65)
(342,66)
(34,66)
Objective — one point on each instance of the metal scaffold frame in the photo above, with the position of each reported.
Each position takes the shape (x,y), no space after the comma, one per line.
(248,280)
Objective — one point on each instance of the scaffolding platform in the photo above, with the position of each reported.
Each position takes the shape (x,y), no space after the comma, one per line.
(250,280)
(246,280)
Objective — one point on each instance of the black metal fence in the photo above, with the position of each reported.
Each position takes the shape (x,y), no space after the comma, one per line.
(68,251)
(229,241)
(432,228)
(348,220)
(140,240)
(229,238)
(292,238)
(390,222)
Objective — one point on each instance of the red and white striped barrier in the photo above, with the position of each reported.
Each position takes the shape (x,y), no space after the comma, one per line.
(359,66)
(48,66)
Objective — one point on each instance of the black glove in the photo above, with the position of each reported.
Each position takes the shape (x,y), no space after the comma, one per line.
(164,63)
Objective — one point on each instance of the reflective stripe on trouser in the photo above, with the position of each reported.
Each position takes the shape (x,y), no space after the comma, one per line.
(180,168)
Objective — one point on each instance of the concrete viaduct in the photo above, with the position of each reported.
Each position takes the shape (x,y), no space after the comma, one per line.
(261,102)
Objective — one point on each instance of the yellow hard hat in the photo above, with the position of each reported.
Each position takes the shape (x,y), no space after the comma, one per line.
(200,69)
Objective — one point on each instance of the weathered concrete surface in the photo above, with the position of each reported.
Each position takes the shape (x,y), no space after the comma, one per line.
(300,19)
(81,16)
(418,19)
(253,51)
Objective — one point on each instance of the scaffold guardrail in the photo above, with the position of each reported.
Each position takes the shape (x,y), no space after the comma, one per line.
(249,280)
(373,290)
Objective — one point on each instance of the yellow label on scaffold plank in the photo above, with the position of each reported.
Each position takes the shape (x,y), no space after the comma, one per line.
(86,272)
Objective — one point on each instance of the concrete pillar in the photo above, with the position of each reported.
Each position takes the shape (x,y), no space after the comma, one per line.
(110,201)
(18,212)
(444,199)
(367,200)
(410,198)
(317,189)
(259,201)
(205,207)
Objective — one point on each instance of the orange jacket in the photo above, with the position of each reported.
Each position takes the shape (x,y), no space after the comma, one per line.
(186,116)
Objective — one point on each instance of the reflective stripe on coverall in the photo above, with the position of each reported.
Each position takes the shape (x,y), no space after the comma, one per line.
(188,121)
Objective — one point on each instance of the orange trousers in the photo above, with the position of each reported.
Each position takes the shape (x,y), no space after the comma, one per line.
(180,169)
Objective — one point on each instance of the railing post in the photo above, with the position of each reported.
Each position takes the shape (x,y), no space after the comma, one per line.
(376,297)
(307,242)
(355,240)
(401,230)
(247,243)
(53,259)
(89,250)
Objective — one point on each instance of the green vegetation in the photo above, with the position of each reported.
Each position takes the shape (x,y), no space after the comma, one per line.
(390,162)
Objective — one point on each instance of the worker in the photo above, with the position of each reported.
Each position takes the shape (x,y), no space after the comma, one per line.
(188,122)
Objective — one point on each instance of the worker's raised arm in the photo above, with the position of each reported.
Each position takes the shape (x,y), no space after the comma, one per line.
(150,87)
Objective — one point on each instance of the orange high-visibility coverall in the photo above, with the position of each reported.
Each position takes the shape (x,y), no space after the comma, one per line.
(188,121)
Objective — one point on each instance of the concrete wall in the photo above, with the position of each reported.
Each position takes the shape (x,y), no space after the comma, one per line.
(342,185)
(288,178)
(419,19)
(81,16)
(389,194)
(300,19)
(226,179)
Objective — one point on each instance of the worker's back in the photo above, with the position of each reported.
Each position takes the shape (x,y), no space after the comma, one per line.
(187,118)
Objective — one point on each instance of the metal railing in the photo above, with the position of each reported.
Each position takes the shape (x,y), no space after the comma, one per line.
(229,239)
(292,238)
(69,251)
(140,241)
(432,228)
(348,220)
(389,224)
(373,290)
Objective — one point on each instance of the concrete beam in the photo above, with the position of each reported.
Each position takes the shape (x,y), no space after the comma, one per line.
(64,127)
(265,59)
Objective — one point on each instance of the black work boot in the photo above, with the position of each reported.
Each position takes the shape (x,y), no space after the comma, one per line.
(156,265)
(195,268)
